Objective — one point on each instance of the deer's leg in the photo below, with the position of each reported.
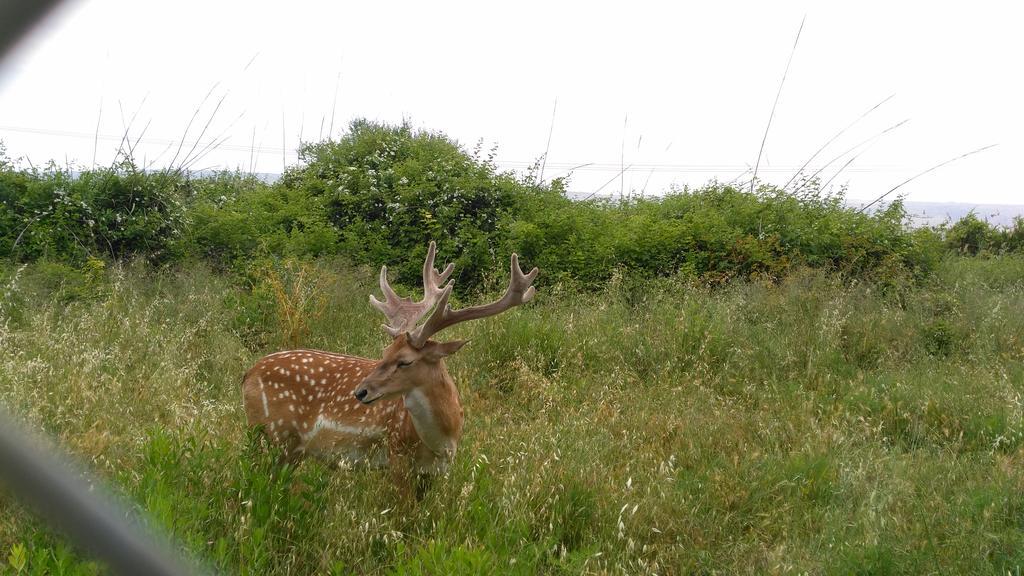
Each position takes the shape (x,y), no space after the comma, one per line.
(423,482)
(411,482)
(291,457)
(400,472)
(292,448)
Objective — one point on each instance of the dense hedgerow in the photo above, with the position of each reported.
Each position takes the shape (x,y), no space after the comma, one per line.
(388,190)
(119,212)
(380,193)
(719,232)
(972,236)
(235,217)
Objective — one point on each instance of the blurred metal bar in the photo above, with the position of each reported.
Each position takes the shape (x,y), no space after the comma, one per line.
(81,509)
(60,493)
(18,17)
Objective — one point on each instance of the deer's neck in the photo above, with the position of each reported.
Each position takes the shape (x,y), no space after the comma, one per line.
(436,413)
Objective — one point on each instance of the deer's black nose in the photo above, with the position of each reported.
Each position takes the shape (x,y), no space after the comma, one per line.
(360,394)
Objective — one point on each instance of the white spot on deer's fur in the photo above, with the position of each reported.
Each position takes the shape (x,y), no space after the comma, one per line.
(291,407)
(322,423)
(263,395)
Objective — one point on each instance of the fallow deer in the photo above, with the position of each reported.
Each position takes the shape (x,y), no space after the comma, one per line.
(405,405)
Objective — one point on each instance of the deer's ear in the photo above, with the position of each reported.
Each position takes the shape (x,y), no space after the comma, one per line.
(434,351)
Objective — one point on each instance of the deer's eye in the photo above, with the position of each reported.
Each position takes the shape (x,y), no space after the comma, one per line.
(403,364)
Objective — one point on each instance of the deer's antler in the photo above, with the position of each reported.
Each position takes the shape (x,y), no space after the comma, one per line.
(403,313)
(520,289)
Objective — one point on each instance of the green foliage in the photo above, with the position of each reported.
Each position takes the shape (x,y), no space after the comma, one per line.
(805,425)
(116,213)
(717,233)
(710,381)
(438,558)
(390,190)
(380,193)
(235,217)
(973,236)
(266,509)
(45,555)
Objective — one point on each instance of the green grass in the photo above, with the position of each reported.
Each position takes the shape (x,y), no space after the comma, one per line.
(810,426)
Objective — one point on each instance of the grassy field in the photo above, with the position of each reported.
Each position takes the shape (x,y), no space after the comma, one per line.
(810,426)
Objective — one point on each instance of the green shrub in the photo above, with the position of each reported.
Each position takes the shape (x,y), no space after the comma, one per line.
(380,193)
(118,212)
(389,190)
(971,235)
(236,217)
(717,233)
(1015,235)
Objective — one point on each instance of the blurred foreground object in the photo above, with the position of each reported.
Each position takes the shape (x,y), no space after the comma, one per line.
(17,17)
(61,494)
(79,509)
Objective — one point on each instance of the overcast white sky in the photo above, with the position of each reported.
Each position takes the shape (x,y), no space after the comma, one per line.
(680,91)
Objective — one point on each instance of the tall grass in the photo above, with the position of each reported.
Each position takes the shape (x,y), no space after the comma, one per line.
(811,425)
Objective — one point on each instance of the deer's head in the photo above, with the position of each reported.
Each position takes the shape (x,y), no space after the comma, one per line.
(413,359)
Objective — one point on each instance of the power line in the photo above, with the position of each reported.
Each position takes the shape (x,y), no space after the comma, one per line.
(159,141)
(657,167)
(660,167)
